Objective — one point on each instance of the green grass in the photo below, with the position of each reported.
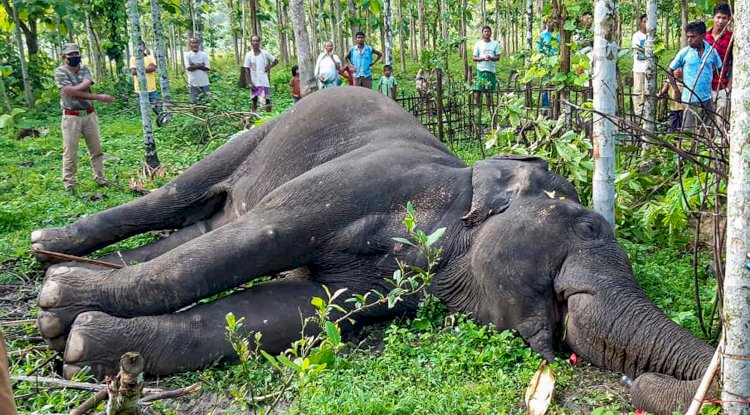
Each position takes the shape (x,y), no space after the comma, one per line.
(462,369)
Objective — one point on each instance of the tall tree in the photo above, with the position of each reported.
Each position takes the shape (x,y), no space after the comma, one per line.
(152,158)
(387,29)
(605,85)
(736,357)
(402,44)
(304,55)
(684,22)
(421,17)
(649,108)
(233,32)
(27,92)
(161,57)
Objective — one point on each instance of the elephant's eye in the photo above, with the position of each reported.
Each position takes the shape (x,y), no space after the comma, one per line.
(586,229)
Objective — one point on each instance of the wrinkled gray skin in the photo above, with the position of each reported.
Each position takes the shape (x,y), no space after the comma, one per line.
(322,191)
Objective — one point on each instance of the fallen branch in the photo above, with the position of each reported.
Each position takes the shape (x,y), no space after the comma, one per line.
(28,350)
(171,394)
(95,387)
(76,258)
(17,322)
(90,403)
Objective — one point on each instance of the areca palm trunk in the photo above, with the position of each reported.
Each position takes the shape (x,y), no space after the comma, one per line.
(152,158)
(161,58)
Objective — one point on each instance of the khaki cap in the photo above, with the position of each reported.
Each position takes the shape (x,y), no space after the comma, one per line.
(70,48)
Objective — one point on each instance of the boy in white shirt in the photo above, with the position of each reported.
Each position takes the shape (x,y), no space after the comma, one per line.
(257,66)
(197,66)
(640,67)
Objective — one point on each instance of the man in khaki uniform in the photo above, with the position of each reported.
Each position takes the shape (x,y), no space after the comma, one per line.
(74,80)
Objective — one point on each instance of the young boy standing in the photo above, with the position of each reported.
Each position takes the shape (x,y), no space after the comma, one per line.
(294,85)
(387,84)
(698,61)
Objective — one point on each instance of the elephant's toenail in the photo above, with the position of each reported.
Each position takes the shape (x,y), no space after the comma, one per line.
(49,325)
(35,237)
(50,294)
(75,347)
(70,370)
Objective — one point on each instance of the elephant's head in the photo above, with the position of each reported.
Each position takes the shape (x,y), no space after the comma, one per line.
(545,265)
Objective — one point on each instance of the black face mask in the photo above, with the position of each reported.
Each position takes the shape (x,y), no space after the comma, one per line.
(74,60)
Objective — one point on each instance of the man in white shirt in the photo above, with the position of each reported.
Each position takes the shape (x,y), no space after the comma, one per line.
(257,66)
(486,54)
(640,67)
(197,66)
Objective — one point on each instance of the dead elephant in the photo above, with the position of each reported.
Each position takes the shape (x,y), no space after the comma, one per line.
(322,191)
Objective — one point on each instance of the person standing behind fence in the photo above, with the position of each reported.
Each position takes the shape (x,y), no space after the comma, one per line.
(546,45)
(327,67)
(720,37)
(640,66)
(197,66)
(79,118)
(360,59)
(674,95)
(698,61)
(150,63)
(486,54)
(387,84)
(257,67)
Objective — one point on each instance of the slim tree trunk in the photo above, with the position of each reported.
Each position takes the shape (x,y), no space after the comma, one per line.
(388,37)
(465,50)
(233,32)
(161,57)
(649,108)
(27,92)
(254,24)
(353,18)
(605,86)
(304,57)
(684,21)
(413,53)
(198,21)
(243,26)
(496,29)
(483,7)
(314,49)
(444,21)
(152,158)
(422,34)
(281,22)
(736,358)
(402,44)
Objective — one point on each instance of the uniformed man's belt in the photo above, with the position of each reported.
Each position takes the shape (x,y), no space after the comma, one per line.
(80,113)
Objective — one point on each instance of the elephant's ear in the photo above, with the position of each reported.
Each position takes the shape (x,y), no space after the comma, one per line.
(496,183)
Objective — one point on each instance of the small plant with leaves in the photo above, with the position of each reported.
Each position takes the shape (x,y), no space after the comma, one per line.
(321,338)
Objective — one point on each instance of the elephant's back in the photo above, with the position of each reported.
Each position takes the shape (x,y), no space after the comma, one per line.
(337,124)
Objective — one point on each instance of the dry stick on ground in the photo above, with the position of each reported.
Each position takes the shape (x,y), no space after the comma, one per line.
(76,258)
(171,394)
(71,384)
(15,323)
(22,352)
(90,403)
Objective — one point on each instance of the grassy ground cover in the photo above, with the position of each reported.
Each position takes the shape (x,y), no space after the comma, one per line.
(400,368)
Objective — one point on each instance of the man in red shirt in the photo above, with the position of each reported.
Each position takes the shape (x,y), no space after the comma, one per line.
(720,37)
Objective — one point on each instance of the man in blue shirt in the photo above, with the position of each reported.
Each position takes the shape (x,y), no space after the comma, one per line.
(360,59)
(698,61)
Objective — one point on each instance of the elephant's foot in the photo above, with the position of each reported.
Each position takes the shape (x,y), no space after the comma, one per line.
(168,343)
(662,394)
(67,292)
(62,240)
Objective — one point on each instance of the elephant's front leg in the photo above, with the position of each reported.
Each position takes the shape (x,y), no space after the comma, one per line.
(195,195)
(252,246)
(195,338)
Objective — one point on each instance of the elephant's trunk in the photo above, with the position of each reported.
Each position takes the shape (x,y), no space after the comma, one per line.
(620,329)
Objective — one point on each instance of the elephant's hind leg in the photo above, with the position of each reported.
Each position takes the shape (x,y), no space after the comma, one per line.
(195,338)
